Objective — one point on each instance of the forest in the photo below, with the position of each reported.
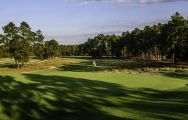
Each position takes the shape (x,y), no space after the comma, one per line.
(158,42)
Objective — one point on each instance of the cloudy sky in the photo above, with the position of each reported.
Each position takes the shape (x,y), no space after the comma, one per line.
(73,21)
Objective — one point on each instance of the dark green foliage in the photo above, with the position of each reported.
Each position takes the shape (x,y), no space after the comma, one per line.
(102,46)
(177,35)
(71,50)
(153,42)
(51,49)
(4,51)
(39,50)
(156,42)
(18,42)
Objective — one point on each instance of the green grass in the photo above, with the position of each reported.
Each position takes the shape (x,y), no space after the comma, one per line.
(74,92)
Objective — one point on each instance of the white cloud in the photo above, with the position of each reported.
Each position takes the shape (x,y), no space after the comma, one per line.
(86,2)
(158,1)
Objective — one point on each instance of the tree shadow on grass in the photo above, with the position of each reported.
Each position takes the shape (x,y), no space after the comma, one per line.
(67,98)
(180,75)
(111,64)
(140,65)
(77,68)
(7,65)
(56,98)
(87,65)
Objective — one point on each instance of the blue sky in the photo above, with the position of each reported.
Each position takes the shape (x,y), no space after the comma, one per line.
(73,21)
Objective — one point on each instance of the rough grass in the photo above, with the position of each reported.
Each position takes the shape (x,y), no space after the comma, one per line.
(146,66)
(7,65)
(108,65)
(75,92)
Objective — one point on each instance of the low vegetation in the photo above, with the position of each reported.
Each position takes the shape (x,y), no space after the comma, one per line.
(33,65)
(146,66)
(107,65)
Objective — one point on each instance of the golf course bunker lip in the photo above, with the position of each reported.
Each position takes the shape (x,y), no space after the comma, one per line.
(52,67)
(26,72)
(158,72)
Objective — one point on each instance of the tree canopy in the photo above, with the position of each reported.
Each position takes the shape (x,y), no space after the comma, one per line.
(156,42)
(153,42)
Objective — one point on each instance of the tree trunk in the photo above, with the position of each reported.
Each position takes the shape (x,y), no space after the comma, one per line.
(162,58)
(17,63)
(173,59)
(145,55)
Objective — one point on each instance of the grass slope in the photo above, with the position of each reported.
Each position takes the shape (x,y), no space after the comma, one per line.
(73,92)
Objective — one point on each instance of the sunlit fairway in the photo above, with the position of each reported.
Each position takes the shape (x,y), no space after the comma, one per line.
(75,92)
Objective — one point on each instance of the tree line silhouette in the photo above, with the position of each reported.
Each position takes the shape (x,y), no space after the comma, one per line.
(157,42)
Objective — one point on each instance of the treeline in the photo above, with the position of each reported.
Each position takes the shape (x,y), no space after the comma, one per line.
(71,50)
(161,41)
(153,42)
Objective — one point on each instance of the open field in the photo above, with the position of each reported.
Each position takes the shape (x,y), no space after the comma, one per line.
(74,92)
